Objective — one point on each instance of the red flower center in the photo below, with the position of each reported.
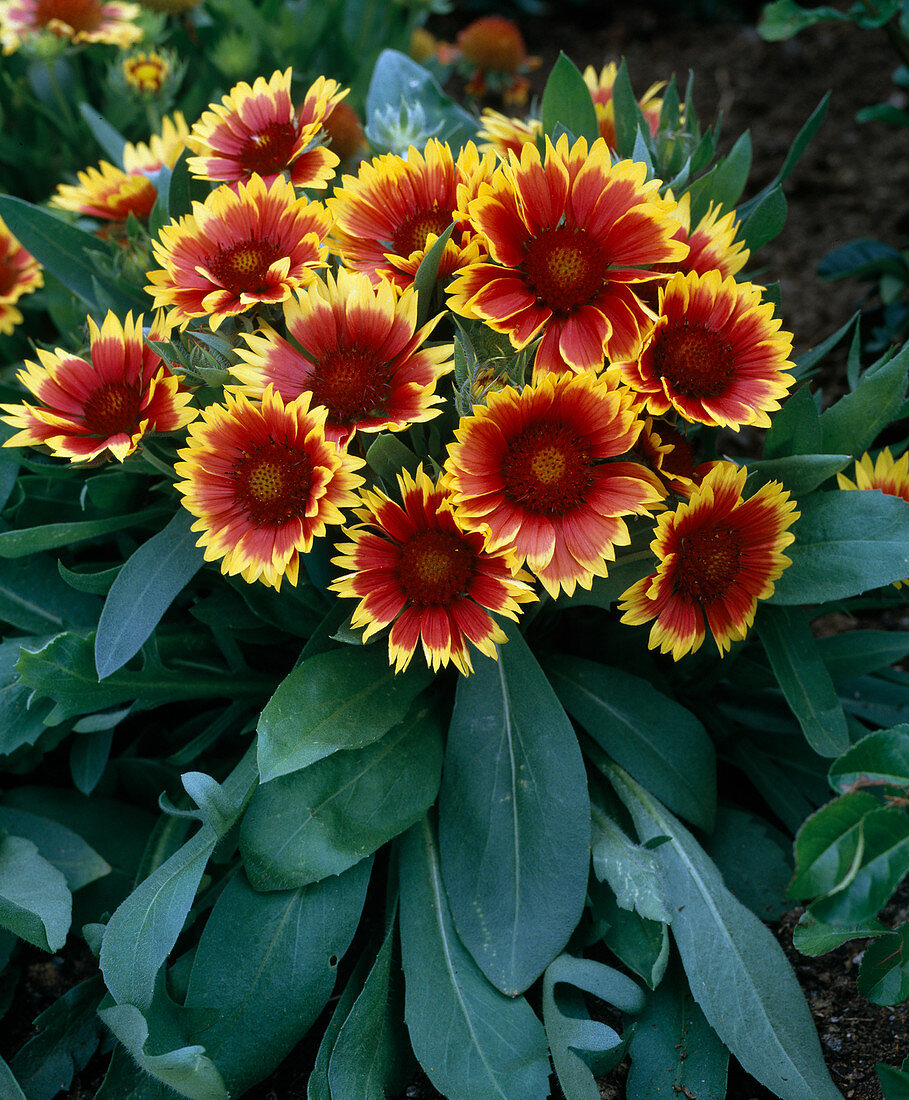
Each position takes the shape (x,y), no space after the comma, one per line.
(547,470)
(81,15)
(111,409)
(352,383)
(243,267)
(269,150)
(435,568)
(273,481)
(565,268)
(694,360)
(411,234)
(709,562)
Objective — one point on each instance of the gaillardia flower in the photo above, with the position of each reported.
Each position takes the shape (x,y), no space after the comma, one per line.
(502,133)
(712,243)
(601,85)
(107,193)
(364,358)
(718,555)
(412,566)
(571,237)
(20,273)
(716,354)
(256,131)
(264,482)
(76,20)
(532,471)
(146,72)
(889,475)
(389,215)
(107,403)
(161,150)
(237,250)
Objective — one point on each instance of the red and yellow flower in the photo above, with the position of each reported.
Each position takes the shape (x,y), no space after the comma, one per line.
(237,250)
(671,456)
(414,568)
(146,72)
(76,20)
(20,273)
(364,356)
(104,404)
(256,131)
(534,472)
(716,354)
(712,243)
(107,193)
(264,482)
(389,215)
(601,85)
(502,133)
(888,475)
(161,150)
(571,238)
(718,555)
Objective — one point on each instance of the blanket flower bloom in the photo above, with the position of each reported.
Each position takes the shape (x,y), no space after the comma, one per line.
(146,72)
(264,482)
(161,150)
(106,403)
(257,131)
(570,236)
(502,133)
(712,243)
(601,84)
(888,475)
(237,250)
(20,273)
(76,20)
(108,194)
(414,568)
(716,354)
(718,555)
(364,358)
(389,215)
(529,469)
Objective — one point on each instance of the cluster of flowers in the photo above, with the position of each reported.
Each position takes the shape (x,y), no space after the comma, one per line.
(630,316)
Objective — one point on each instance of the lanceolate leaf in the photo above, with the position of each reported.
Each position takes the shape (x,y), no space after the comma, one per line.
(265,968)
(143,591)
(661,743)
(342,699)
(738,973)
(567,102)
(805,682)
(322,819)
(470,1039)
(19,543)
(35,902)
(514,819)
(77,861)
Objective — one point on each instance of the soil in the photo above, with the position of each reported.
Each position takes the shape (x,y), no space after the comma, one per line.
(850,183)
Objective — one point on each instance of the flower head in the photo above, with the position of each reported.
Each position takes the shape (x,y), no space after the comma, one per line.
(886,474)
(601,85)
(20,272)
(108,193)
(718,555)
(161,150)
(75,20)
(264,482)
(237,250)
(716,354)
(413,567)
(106,403)
(364,358)
(389,215)
(257,131)
(503,133)
(146,72)
(712,243)
(570,236)
(532,470)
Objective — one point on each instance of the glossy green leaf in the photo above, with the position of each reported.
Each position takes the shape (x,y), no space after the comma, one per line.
(631,871)
(674,1050)
(144,589)
(763,221)
(567,102)
(77,861)
(388,456)
(800,474)
(265,968)
(470,1039)
(35,902)
(880,758)
(852,423)
(811,937)
(810,359)
(514,818)
(880,865)
(30,540)
(739,975)
(326,817)
(803,678)
(578,1043)
(660,743)
(34,598)
(883,975)
(427,273)
(845,543)
(827,844)
(795,429)
(894,1082)
(342,699)
(371,1058)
